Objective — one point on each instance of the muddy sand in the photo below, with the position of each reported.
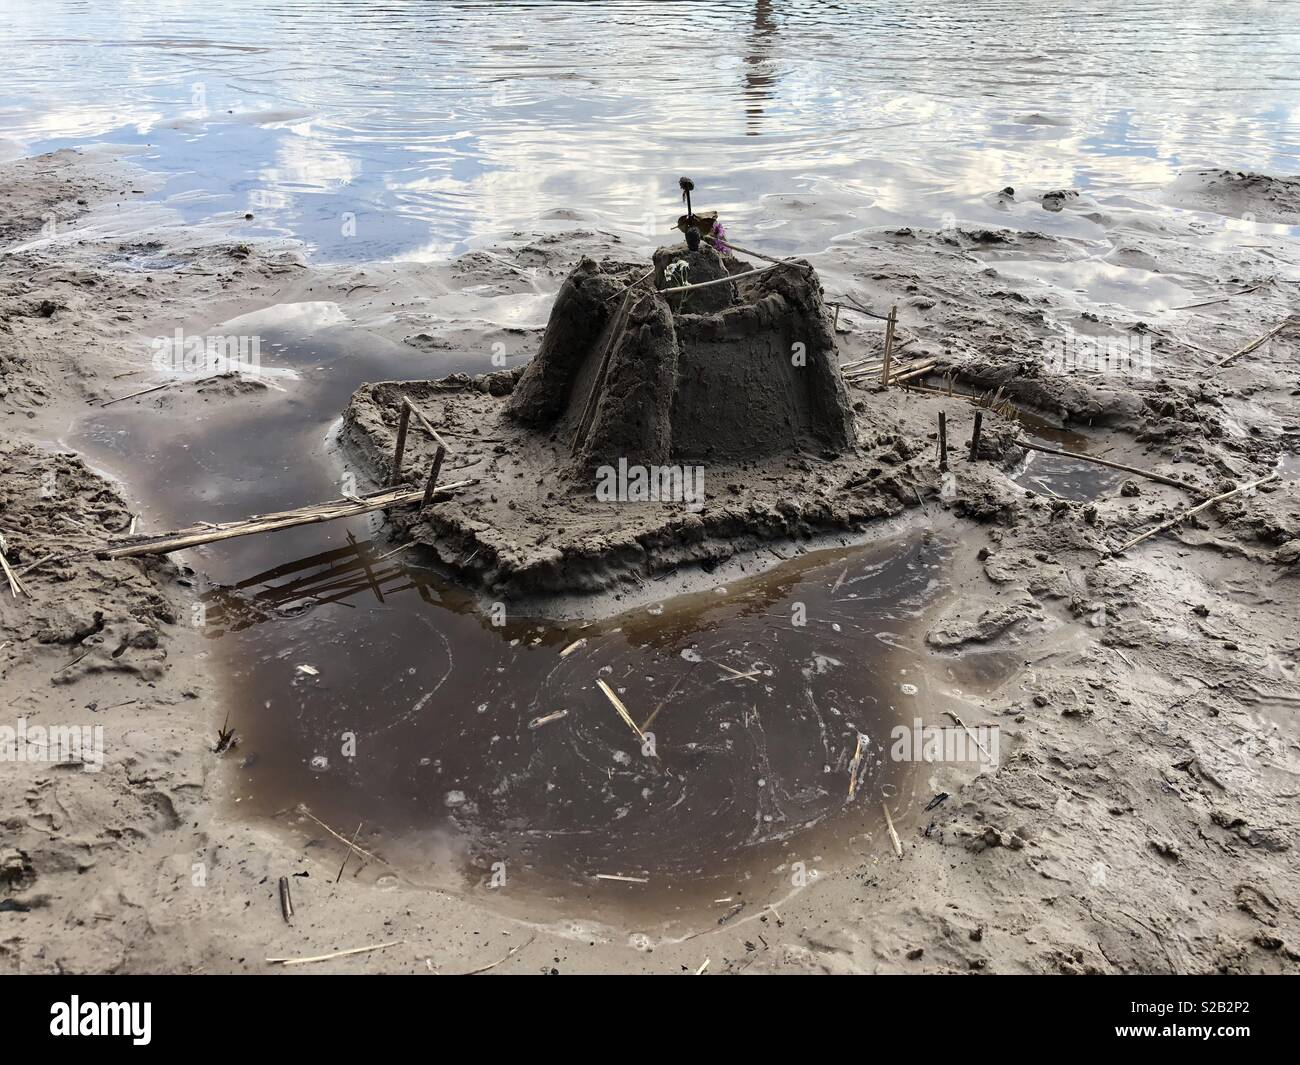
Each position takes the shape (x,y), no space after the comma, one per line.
(1142,814)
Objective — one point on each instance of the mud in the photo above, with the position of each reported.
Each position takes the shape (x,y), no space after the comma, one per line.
(1141,819)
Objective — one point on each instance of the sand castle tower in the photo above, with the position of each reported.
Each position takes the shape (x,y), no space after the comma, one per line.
(742,368)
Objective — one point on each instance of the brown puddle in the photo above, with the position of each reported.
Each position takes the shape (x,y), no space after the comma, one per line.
(417,716)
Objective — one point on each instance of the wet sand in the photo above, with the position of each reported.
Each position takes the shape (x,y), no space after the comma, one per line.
(1139,819)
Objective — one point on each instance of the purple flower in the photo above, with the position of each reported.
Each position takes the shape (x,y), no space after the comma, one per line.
(720,239)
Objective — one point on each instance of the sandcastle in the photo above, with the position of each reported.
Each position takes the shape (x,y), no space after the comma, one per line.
(705,363)
(729,371)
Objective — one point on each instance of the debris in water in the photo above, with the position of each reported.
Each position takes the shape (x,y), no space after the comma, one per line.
(622,710)
(546,719)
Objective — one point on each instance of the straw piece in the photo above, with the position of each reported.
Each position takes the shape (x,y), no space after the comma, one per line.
(336,954)
(893,836)
(622,710)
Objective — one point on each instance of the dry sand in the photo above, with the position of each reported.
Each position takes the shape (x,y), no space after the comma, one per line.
(1143,817)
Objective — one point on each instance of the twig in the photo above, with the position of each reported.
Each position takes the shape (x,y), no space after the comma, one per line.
(1256,343)
(286,901)
(302,808)
(336,954)
(974,738)
(348,854)
(207,533)
(853,768)
(16,586)
(616,328)
(622,710)
(509,954)
(1107,462)
(1182,515)
(720,280)
(893,836)
(790,261)
(406,402)
(890,324)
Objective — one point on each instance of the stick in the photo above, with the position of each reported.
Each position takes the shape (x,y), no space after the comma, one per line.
(348,855)
(756,254)
(286,902)
(975,436)
(154,388)
(835,323)
(974,738)
(302,808)
(404,420)
(336,954)
(622,710)
(598,385)
(721,280)
(644,277)
(856,306)
(623,879)
(1256,343)
(16,586)
(198,535)
(1194,510)
(917,371)
(1106,462)
(509,954)
(438,456)
(943,442)
(425,422)
(142,392)
(890,322)
(893,836)
(853,768)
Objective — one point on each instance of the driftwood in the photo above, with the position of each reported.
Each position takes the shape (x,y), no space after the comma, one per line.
(207,533)
(1181,515)
(1148,474)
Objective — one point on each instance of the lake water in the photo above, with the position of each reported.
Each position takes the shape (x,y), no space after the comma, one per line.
(375,130)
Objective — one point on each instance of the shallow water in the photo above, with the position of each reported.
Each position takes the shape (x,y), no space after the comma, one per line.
(423,715)
(373,130)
